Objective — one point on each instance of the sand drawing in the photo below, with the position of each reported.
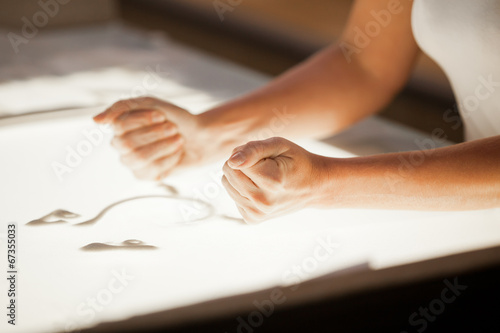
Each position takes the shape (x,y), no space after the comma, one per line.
(61,216)
(129,244)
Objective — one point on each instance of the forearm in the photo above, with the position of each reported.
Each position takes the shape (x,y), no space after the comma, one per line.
(459,177)
(317,98)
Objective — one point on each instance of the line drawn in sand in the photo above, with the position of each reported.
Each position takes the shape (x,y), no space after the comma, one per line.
(129,244)
(61,216)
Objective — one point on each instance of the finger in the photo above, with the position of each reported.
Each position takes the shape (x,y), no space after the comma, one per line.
(125,105)
(240,181)
(249,154)
(133,120)
(267,174)
(251,215)
(159,168)
(143,136)
(246,188)
(142,156)
(234,194)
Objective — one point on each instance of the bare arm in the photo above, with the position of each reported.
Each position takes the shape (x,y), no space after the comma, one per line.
(460,177)
(273,177)
(340,85)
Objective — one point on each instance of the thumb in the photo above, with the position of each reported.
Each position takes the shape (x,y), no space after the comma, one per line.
(249,154)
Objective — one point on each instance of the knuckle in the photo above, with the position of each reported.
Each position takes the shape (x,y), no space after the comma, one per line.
(265,207)
(154,116)
(140,154)
(134,103)
(275,139)
(179,139)
(117,105)
(146,100)
(129,103)
(266,203)
(251,215)
(157,164)
(260,199)
(122,117)
(127,144)
(253,145)
(226,169)
(253,148)
(176,140)
(169,127)
(260,215)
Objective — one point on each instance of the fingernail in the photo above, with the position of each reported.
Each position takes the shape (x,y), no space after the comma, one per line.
(158,118)
(237,159)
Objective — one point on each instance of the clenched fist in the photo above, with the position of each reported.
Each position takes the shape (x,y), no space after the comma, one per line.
(155,137)
(272,177)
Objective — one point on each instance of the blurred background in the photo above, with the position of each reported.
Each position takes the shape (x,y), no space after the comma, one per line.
(266,36)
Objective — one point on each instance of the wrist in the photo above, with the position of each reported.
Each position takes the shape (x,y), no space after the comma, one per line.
(321,180)
(358,182)
(329,186)
(207,141)
(225,128)
(214,136)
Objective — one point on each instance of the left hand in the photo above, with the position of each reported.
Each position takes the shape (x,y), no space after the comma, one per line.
(271,177)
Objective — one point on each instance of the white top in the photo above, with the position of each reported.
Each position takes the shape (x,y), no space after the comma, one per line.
(463,37)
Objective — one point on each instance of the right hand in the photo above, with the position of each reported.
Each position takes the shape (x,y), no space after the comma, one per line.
(154,137)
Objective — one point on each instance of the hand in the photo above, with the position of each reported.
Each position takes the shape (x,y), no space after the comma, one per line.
(272,177)
(154,137)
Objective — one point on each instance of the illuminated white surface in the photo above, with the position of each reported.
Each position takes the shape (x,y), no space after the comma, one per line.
(210,259)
